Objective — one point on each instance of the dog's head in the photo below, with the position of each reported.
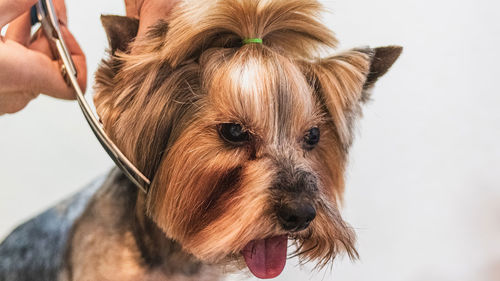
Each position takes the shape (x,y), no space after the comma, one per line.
(246,143)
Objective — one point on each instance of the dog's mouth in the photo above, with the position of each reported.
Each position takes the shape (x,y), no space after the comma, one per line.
(266,258)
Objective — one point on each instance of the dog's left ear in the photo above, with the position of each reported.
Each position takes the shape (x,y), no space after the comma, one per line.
(344,81)
(382,59)
(120,30)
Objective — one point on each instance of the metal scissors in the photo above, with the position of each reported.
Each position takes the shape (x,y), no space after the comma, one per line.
(46,15)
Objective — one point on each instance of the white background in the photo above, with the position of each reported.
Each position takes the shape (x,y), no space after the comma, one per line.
(423,188)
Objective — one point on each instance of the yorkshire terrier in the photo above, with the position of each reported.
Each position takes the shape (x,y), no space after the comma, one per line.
(244,130)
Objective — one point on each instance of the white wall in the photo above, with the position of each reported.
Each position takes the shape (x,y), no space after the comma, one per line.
(423,187)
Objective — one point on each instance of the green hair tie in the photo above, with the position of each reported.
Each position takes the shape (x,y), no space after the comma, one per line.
(252,40)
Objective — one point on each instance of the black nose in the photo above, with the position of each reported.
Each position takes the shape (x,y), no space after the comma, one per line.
(296,216)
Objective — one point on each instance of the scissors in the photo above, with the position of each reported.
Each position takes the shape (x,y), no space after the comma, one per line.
(45,14)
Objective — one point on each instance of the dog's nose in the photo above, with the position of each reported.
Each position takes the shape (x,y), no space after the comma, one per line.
(296,216)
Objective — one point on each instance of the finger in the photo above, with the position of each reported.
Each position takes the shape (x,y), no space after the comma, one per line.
(19,30)
(132,8)
(14,102)
(44,76)
(40,43)
(60,8)
(29,71)
(55,85)
(78,57)
(152,11)
(11,9)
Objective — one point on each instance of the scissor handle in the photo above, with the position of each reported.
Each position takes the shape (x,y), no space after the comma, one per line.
(46,15)
(50,23)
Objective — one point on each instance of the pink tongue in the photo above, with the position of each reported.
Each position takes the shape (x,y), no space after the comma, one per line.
(266,258)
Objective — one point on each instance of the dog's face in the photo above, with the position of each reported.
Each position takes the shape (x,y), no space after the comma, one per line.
(246,143)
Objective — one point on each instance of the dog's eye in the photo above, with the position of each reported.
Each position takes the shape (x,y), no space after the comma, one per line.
(233,133)
(311,138)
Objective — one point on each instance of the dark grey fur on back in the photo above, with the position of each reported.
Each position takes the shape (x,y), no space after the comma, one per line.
(35,249)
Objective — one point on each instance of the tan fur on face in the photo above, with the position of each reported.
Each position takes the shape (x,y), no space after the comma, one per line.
(163,105)
(339,80)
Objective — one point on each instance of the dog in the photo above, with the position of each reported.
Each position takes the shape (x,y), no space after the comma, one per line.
(244,127)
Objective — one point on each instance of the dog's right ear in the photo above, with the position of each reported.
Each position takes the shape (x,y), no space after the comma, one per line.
(121,31)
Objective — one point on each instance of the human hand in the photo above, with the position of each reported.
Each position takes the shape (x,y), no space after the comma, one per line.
(148,11)
(27,66)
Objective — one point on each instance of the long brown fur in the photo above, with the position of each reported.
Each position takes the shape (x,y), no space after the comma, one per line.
(162,104)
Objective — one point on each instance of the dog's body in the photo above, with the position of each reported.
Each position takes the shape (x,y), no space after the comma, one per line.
(35,250)
(94,235)
(244,130)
